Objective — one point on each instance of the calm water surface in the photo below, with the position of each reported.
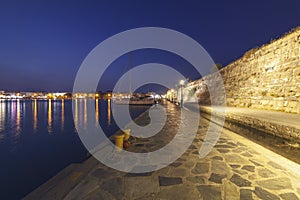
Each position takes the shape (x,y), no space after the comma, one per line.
(38,138)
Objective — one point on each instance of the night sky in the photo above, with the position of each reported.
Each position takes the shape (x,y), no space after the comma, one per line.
(43,43)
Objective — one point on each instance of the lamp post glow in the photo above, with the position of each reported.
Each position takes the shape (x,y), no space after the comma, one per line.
(181,83)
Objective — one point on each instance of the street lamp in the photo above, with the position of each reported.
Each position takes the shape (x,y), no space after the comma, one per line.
(181,83)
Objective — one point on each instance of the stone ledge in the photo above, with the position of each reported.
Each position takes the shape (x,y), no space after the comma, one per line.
(272,127)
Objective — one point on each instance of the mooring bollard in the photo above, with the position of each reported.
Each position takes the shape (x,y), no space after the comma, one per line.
(119,139)
(126,134)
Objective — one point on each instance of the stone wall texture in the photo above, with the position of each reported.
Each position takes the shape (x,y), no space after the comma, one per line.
(267,77)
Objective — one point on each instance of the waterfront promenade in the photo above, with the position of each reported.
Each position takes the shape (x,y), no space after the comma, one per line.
(236,168)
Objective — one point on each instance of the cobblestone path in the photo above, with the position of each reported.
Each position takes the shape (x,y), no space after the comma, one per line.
(236,168)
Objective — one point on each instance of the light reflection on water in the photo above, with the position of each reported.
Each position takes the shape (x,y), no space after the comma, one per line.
(85,114)
(35,115)
(76,112)
(97,112)
(13,114)
(18,121)
(62,114)
(40,136)
(2,118)
(49,116)
(108,112)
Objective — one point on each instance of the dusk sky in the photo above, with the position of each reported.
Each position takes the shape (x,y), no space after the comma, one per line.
(43,43)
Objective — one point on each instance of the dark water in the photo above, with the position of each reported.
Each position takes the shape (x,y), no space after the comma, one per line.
(38,138)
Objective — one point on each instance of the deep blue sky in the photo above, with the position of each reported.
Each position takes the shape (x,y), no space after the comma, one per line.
(42,43)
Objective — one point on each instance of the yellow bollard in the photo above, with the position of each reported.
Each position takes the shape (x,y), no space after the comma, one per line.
(126,134)
(119,139)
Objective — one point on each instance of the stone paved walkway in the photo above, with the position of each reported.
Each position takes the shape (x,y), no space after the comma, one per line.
(235,169)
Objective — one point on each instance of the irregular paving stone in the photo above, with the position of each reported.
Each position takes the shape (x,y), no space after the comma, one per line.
(240,144)
(196,179)
(235,166)
(253,177)
(249,168)
(178,192)
(146,197)
(256,163)
(103,174)
(265,173)
(114,187)
(137,187)
(210,192)
(193,147)
(237,150)
(223,139)
(166,181)
(138,174)
(275,165)
(217,178)
(98,194)
(181,160)
(201,168)
(231,191)
(219,167)
(246,154)
(196,152)
(217,158)
(239,181)
(243,148)
(235,159)
(175,164)
(265,195)
(252,151)
(139,145)
(181,172)
(276,183)
(223,150)
(240,172)
(232,144)
(246,194)
(164,171)
(82,190)
(189,164)
(223,146)
(149,168)
(289,196)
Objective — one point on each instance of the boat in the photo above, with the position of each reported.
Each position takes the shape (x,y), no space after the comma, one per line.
(135,99)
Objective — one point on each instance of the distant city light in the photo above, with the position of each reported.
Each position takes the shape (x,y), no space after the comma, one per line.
(61,95)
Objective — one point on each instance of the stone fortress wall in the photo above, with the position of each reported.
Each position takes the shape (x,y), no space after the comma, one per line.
(264,78)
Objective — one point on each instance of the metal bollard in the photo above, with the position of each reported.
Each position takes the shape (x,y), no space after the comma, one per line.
(119,139)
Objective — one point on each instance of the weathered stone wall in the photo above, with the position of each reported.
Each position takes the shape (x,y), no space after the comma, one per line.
(265,78)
